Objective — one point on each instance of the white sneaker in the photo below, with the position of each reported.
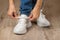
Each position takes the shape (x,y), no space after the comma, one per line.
(23,24)
(42,21)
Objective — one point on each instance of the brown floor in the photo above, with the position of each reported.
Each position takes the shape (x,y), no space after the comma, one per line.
(52,12)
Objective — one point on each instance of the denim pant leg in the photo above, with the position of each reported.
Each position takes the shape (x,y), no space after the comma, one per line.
(26,6)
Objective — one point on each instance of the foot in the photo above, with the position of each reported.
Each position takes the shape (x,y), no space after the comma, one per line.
(23,24)
(42,21)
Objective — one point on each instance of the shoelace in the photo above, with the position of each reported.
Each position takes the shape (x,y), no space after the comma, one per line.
(22,17)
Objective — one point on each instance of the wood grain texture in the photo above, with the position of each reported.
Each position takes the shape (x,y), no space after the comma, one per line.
(52,12)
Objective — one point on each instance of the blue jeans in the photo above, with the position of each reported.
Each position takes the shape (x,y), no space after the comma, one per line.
(26,6)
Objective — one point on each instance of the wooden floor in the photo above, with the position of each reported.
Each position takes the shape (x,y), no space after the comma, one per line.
(52,12)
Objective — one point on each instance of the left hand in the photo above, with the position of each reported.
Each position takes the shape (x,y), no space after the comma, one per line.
(34,14)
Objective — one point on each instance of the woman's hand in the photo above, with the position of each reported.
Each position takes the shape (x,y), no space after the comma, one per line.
(34,15)
(12,11)
(36,11)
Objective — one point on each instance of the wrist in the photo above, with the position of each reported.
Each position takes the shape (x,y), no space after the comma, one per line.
(11,5)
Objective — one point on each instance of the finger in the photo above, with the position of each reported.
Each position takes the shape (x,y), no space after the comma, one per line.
(32,19)
(15,13)
(30,16)
(12,16)
(17,17)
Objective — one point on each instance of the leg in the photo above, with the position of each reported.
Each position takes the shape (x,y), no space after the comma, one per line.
(27,6)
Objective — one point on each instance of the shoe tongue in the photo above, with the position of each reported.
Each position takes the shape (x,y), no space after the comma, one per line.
(23,17)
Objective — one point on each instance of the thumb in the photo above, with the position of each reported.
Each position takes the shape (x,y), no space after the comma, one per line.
(15,13)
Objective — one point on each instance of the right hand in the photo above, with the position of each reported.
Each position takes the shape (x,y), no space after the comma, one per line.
(12,11)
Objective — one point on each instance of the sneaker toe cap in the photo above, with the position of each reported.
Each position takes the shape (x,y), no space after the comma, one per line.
(19,31)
